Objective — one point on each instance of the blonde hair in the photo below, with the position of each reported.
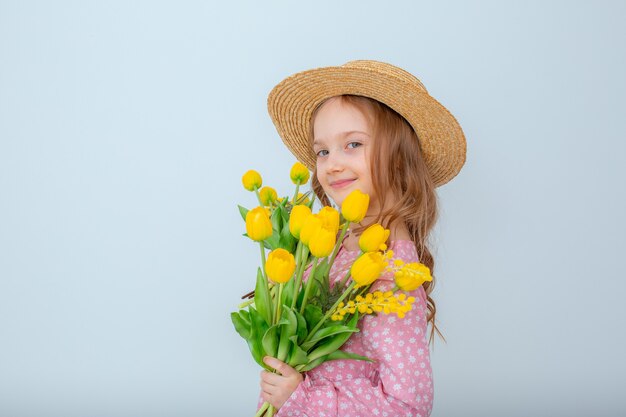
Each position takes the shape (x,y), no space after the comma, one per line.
(396,164)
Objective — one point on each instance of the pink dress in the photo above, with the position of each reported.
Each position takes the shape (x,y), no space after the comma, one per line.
(398,383)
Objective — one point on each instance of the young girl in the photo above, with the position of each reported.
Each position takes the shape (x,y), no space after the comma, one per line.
(371,126)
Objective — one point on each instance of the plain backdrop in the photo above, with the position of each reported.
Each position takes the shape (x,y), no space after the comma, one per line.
(125,127)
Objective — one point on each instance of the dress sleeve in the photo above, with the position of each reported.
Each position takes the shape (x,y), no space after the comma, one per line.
(401,381)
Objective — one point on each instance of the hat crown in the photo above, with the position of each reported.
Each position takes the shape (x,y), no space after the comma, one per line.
(386,69)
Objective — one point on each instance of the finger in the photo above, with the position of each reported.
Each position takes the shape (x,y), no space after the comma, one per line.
(269,389)
(272,379)
(266,397)
(280,366)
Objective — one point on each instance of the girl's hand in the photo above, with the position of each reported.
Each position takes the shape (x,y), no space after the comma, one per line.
(277,388)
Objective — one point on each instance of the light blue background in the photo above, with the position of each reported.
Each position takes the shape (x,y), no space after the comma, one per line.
(125,128)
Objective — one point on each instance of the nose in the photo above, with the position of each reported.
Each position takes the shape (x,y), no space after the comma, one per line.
(334,162)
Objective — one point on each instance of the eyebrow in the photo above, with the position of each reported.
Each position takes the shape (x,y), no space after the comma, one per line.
(344,134)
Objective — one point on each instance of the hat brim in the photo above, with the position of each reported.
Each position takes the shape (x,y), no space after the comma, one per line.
(292,102)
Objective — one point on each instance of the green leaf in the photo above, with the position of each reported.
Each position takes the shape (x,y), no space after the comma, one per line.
(270,341)
(326,332)
(241,321)
(332,343)
(258,327)
(321,280)
(286,331)
(313,314)
(302,331)
(297,356)
(277,221)
(288,292)
(243,211)
(273,241)
(283,213)
(340,354)
(262,299)
(287,241)
(311,364)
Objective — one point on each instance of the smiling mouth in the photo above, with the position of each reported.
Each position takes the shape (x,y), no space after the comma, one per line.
(341,183)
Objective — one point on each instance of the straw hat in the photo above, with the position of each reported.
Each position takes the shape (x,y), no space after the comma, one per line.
(292,102)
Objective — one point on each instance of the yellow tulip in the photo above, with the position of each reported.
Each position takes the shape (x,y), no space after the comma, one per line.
(258,224)
(330,218)
(412,275)
(373,238)
(354,206)
(296,219)
(268,195)
(299,174)
(322,242)
(280,265)
(251,180)
(309,227)
(367,268)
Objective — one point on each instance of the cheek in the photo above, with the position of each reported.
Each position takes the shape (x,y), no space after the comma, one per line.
(319,173)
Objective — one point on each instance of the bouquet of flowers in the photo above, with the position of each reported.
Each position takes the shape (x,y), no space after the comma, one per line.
(304,322)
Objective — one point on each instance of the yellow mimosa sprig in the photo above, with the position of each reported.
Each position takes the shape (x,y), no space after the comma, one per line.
(378,301)
(409,276)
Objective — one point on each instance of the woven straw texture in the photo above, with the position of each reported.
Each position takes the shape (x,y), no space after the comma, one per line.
(292,102)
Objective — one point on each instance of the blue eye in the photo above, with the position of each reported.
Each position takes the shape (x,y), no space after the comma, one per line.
(354,143)
(321,153)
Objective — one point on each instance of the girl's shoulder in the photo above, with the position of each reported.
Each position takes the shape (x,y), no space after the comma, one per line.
(404,249)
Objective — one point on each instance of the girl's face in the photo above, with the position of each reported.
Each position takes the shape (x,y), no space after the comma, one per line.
(342,141)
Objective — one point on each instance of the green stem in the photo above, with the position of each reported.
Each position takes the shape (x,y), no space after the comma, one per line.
(338,244)
(295,195)
(309,284)
(264,273)
(262,409)
(345,278)
(271,411)
(258,196)
(329,312)
(245,303)
(278,303)
(300,263)
(263,258)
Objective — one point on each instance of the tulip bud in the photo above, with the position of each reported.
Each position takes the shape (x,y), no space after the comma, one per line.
(322,242)
(258,224)
(311,224)
(268,195)
(330,218)
(280,265)
(299,174)
(354,206)
(367,268)
(251,180)
(296,219)
(373,238)
(412,275)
